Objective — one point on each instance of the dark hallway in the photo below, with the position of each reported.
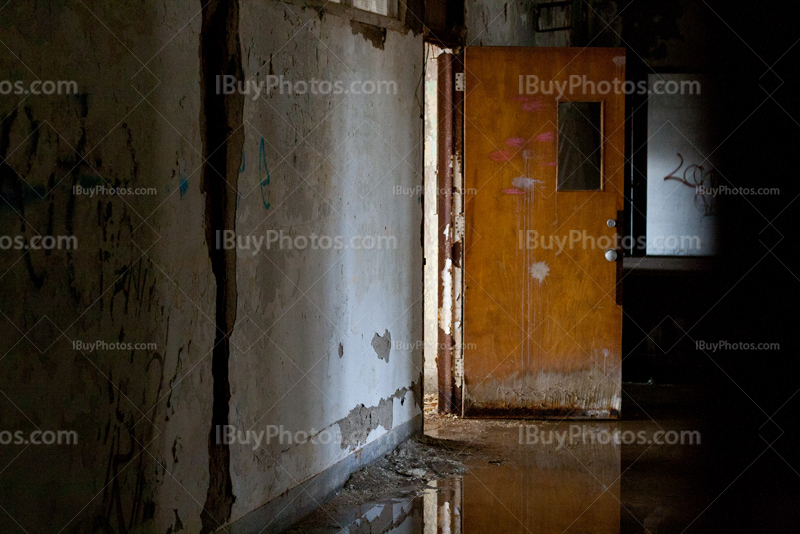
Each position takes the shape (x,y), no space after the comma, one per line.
(426,266)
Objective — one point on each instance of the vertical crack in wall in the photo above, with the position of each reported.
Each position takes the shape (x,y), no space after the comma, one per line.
(223,139)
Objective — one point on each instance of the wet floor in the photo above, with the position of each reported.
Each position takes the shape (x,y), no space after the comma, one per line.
(664,469)
(540,489)
(494,503)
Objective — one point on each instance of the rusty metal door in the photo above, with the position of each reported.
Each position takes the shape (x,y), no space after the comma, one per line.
(544,158)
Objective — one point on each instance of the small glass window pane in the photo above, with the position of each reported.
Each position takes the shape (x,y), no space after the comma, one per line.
(579,141)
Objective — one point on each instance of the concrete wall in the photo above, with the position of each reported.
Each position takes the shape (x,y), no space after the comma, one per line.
(309,329)
(140,272)
(503,23)
(332,333)
(663,35)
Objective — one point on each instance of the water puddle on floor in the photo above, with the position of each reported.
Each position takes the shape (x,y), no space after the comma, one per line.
(544,492)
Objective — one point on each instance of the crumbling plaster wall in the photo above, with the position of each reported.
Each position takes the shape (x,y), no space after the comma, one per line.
(313,326)
(142,273)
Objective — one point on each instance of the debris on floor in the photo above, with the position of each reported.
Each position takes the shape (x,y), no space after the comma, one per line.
(431,404)
(405,471)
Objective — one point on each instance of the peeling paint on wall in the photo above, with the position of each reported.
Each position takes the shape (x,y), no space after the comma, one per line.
(338,195)
(362,420)
(382,345)
(374,34)
(144,417)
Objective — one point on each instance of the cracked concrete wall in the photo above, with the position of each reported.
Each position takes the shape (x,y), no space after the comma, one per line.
(143,273)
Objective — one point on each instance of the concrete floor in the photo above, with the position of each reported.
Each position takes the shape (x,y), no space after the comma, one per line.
(598,476)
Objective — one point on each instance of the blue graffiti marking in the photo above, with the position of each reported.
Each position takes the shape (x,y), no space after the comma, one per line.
(241,171)
(263,174)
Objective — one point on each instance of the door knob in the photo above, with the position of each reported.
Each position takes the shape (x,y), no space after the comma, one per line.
(611,254)
(611,223)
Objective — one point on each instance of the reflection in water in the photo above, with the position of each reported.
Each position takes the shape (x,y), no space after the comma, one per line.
(549,491)
(537,488)
(443,506)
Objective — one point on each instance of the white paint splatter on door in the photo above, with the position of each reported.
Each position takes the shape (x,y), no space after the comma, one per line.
(539,270)
(525,183)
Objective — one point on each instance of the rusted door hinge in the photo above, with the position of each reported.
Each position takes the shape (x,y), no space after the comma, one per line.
(460,82)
